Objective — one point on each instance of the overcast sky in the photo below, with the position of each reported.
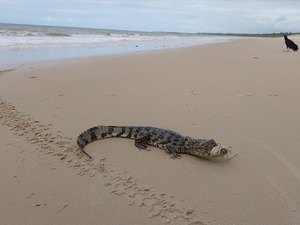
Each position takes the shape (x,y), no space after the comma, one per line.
(237,16)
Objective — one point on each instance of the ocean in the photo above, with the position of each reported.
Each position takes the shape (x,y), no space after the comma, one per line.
(21,44)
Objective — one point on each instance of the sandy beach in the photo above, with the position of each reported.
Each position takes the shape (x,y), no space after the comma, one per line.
(243,94)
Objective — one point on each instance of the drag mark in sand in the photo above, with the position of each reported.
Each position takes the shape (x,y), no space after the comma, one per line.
(279,185)
(291,168)
(159,205)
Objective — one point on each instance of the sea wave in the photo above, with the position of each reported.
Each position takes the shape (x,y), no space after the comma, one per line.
(14,36)
(26,33)
(25,39)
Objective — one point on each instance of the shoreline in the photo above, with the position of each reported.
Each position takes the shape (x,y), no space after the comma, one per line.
(243,94)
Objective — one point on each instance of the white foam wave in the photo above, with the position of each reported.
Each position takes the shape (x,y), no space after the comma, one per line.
(25,39)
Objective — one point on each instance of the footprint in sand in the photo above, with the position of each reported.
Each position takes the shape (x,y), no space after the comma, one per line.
(273,95)
(6,71)
(245,95)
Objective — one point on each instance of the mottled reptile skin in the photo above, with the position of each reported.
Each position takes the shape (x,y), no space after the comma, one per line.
(173,143)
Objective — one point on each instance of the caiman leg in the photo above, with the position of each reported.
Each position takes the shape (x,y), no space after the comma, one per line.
(141,143)
(171,151)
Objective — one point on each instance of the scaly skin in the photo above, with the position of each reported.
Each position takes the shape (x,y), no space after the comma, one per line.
(173,143)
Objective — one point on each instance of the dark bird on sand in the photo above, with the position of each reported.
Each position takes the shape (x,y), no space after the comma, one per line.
(290,44)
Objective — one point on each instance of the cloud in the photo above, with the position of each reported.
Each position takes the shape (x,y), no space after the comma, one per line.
(242,16)
(280,19)
(5,2)
(60,20)
(51,19)
(69,11)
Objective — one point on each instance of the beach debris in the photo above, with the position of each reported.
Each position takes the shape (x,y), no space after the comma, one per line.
(40,204)
(62,208)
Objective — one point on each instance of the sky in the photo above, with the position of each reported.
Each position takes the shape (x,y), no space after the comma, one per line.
(214,16)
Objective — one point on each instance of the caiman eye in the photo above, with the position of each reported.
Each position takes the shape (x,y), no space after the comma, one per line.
(224,151)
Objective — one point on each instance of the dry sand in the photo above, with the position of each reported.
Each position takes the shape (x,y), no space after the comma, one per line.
(243,94)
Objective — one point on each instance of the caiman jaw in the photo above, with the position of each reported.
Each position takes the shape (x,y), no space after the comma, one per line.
(218,151)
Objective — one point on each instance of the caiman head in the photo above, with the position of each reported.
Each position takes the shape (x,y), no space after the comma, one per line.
(206,148)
